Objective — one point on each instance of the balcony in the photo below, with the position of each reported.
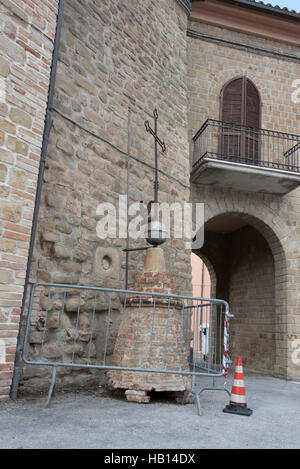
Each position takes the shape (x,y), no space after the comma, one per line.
(246,159)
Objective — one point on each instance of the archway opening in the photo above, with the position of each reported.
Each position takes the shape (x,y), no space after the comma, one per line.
(201,277)
(245,270)
(203,283)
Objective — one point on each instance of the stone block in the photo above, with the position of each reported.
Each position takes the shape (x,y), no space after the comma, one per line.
(58,320)
(137,396)
(6,156)
(81,255)
(52,351)
(85,335)
(44,276)
(7,245)
(6,276)
(10,211)
(12,50)
(64,227)
(3,172)
(50,237)
(65,147)
(87,86)
(20,117)
(84,321)
(72,305)
(78,350)
(7,126)
(3,109)
(17,178)
(64,83)
(37,337)
(17,10)
(53,321)
(61,252)
(17,146)
(57,304)
(4,191)
(45,303)
(72,267)
(4,67)
(107,263)
(59,277)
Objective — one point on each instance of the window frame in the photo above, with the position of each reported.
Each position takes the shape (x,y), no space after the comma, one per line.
(245,79)
(242,135)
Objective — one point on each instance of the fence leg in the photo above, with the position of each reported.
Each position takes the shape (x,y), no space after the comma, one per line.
(214,387)
(193,382)
(52,386)
(197,396)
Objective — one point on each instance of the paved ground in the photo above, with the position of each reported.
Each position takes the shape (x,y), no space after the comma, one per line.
(89,420)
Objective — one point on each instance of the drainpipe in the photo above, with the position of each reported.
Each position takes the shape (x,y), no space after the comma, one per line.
(47,129)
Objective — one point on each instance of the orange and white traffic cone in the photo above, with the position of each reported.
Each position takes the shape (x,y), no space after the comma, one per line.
(237,404)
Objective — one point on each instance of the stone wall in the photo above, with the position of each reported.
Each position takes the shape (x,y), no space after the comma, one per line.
(27,31)
(252,298)
(113,55)
(211,64)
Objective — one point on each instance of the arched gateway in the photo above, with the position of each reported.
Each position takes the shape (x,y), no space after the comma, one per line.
(249,262)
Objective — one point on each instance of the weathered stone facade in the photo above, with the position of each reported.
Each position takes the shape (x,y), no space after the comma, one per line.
(269,311)
(119,60)
(113,55)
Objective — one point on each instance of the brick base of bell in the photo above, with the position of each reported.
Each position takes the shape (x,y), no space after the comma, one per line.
(148,382)
(141,342)
(146,348)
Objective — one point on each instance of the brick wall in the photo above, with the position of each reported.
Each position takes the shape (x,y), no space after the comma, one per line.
(26,43)
(211,64)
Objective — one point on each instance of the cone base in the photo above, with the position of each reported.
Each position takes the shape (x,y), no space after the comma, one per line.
(238,409)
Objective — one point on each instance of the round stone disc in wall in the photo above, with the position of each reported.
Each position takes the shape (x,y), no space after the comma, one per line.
(107,263)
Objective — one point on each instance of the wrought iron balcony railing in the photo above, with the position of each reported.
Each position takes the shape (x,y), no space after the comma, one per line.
(233,143)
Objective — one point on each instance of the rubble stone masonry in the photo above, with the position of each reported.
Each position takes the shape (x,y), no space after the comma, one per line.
(114,55)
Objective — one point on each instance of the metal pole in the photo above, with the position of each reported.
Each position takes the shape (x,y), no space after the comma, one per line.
(128,196)
(156,159)
(157,142)
(52,387)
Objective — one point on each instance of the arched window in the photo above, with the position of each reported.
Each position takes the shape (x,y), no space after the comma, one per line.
(240,114)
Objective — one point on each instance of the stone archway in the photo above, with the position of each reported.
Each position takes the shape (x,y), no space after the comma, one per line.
(249,260)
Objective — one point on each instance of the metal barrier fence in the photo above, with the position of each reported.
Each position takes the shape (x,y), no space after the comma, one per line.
(123,330)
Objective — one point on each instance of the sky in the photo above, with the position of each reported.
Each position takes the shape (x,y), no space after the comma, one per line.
(290,4)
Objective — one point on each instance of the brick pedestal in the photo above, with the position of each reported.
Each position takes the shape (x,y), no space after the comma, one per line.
(151,335)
